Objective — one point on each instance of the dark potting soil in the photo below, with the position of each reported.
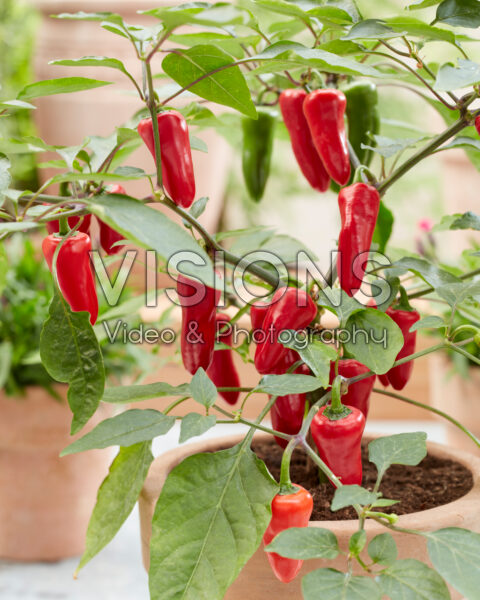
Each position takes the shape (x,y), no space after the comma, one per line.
(432,483)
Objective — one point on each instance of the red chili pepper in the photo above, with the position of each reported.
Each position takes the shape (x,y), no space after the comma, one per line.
(54,226)
(287,415)
(339,443)
(398,376)
(176,155)
(198,303)
(288,510)
(358,394)
(308,159)
(258,312)
(359,204)
(74,272)
(324,111)
(222,370)
(291,308)
(108,236)
(477,124)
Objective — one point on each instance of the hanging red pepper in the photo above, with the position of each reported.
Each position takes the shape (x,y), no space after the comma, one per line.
(337,432)
(398,376)
(324,111)
(288,510)
(287,415)
(108,236)
(477,124)
(291,308)
(74,272)
(198,303)
(308,159)
(222,370)
(359,204)
(54,226)
(358,394)
(257,314)
(177,165)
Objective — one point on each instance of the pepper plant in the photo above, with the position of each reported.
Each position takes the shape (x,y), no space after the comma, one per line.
(315,67)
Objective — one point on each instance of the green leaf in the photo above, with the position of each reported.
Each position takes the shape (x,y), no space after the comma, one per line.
(17,104)
(151,229)
(416,28)
(357,542)
(227,495)
(374,339)
(227,86)
(430,273)
(6,354)
(304,543)
(116,497)
(200,13)
(401,449)
(18,226)
(84,16)
(450,78)
(194,424)
(281,385)
(348,495)
(286,248)
(64,85)
(456,293)
(202,388)
(371,29)
(423,4)
(5,177)
(3,268)
(128,428)
(125,394)
(412,580)
(430,322)
(468,220)
(463,13)
(454,553)
(340,303)
(383,228)
(330,584)
(70,353)
(388,147)
(92,61)
(383,549)
(315,354)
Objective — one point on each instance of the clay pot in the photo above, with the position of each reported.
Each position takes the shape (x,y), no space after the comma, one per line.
(45,500)
(256,581)
(457,397)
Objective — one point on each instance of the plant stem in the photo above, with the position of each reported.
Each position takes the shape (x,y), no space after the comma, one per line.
(286,486)
(255,425)
(323,467)
(431,409)
(153,113)
(463,352)
(175,404)
(63,226)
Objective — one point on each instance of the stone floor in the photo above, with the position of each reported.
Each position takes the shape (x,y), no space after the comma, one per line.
(117,572)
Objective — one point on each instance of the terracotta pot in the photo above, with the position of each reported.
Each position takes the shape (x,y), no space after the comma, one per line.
(457,397)
(256,581)
(45,500)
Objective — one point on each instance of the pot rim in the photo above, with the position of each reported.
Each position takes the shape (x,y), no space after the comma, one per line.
(426,520)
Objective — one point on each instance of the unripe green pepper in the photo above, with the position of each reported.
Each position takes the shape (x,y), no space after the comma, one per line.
(257,152)
(363,118)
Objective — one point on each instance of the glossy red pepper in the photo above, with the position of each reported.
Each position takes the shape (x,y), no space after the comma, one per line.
(198,323)
(359,204)
(54,226)
(398,376)
(308,159)
(222,370)
(324,110)
(477,124)
(287,415)
(339,443)
(358,394)
(108,236)
(258,312)
(288,510)
(177,165)
(291,308)
(74,272)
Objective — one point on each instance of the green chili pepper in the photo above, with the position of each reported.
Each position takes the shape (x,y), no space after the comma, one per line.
(363,118)
(257,152)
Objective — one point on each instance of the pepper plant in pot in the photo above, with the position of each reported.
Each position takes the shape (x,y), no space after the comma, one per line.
(312,68)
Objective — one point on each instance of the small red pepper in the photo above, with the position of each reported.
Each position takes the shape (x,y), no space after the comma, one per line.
(477,124)
(198,303)
(222,370)
(74,272)
(258,312)
(54,226)
(358,394)
(288,510)
(287,415)
(291,308)
(308,159)
(359,204)
(108,236)
(324,111)
(177,165)
(398,376)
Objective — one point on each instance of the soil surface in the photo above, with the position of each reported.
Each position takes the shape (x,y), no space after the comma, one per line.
(432,483)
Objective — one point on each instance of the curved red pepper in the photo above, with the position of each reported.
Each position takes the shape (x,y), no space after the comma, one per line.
(358,394)
(291,308)
(222,370)
(339,443)
(198,322)
(287,415)
(288,510)
(54,226)
(308,159)
(324,111)
(398,376)
(177,165)
(477,124)
(74,272)
(108,236)
(258,312)
(359,204)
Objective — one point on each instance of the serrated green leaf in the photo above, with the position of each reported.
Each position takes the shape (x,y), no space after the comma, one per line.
(281,385)
(401,449)
(412,580)
(383,549)
(202,388)
(348,495)
(63,85)
(333,585)
(125,394)
(194,424)
(304,543)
